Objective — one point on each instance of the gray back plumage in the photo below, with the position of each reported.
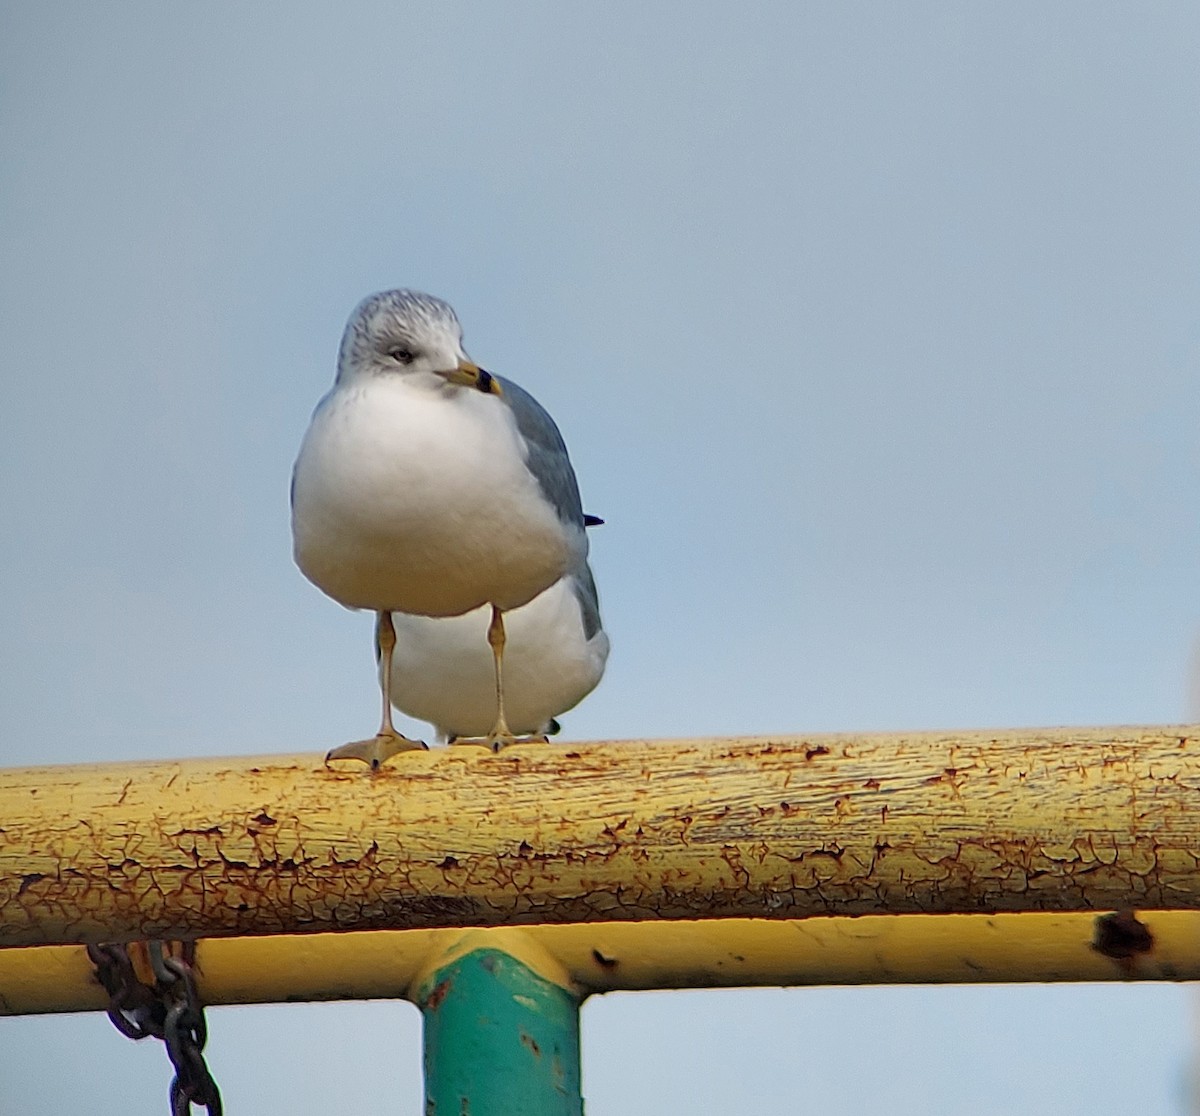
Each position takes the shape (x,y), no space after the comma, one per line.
(548,460)
(584,586)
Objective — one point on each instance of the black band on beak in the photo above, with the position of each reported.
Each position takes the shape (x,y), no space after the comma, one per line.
(487,383)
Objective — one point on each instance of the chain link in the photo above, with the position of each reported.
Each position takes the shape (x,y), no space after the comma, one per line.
(169,1009)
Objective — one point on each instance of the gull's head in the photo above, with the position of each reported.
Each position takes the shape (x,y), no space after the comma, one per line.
(410,334)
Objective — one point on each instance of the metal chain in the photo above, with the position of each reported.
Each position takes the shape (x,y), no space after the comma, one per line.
(169,1009)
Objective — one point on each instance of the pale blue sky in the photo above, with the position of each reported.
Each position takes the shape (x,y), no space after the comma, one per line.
(873,334)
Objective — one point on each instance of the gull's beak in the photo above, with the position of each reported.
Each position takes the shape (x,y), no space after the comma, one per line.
(469,374)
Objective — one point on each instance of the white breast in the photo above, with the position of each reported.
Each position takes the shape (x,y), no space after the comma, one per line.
(417,499)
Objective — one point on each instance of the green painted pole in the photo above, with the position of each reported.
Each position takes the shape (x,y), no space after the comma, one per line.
(500,1040)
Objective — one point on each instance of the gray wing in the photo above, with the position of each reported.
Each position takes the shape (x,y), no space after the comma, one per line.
(548,460)
(589,600)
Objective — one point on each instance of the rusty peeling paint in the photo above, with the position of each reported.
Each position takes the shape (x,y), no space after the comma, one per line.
(974,822)
(439,993)
(1121,936)
(28,880)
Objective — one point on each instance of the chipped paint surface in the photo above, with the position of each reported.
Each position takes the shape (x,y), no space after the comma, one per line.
(1059,820)
(499,1040)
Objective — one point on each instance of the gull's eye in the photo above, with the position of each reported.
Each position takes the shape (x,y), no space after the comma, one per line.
(402,356)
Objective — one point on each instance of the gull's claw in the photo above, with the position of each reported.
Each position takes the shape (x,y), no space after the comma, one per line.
(376,751)
(493,742)
(497,740)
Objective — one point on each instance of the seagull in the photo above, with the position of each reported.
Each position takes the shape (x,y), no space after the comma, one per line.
(554,657)
(426,485)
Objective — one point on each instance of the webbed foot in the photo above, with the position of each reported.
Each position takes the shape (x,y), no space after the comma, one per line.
(494,741)
(376,751)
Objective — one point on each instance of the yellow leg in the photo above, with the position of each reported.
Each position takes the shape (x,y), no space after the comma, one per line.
(385,647)
(500,734)
(387,742)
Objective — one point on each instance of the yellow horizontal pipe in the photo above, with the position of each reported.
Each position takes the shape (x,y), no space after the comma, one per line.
(602,957)
(782,827)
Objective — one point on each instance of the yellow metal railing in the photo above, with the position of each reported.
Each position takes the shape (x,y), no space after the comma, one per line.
(630,842)
(603,957)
